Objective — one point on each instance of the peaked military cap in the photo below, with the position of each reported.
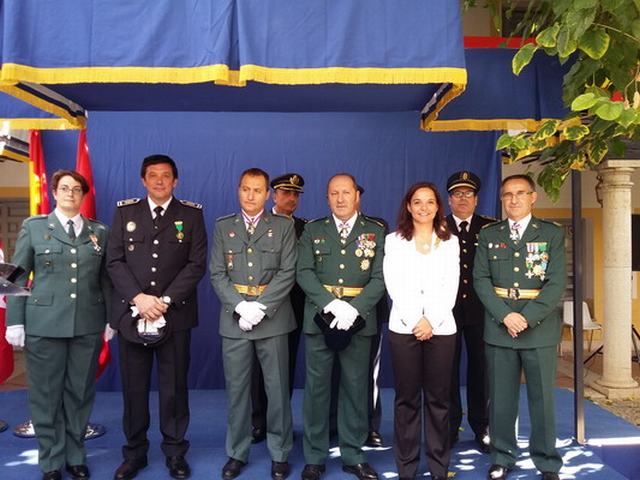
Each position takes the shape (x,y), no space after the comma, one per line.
(289,181)
(464,178)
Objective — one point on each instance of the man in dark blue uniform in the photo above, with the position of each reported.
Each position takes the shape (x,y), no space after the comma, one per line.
(156,257)
(463,188)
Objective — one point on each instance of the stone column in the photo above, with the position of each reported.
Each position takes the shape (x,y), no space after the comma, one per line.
(616,380)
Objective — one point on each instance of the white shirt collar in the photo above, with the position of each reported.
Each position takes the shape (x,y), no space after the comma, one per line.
(350,223)
(523,222)
(153,205)
(78,223)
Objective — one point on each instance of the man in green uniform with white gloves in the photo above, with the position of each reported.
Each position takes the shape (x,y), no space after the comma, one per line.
(520,276)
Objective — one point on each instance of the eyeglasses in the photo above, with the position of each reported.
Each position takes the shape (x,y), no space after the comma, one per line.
(509,196)
(463,194)
(74,190)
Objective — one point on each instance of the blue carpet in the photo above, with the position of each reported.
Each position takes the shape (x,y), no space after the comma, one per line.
(613,451)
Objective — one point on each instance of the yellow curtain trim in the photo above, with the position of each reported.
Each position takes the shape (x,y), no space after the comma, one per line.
(310,76)
(15,156)
(220,73)
(34,192)
(38,124)
(73,122)
(12,72)
(527,124)
(453,92)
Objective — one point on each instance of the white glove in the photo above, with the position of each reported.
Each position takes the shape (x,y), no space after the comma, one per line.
(244,324)
(15,335)
(109,333)
(253,312)
(334,306)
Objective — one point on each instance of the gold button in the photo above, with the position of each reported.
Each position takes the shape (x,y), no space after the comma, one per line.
(250,277)
(249,250)
(343,252)
(154,255)
(154,269)
(517,254)
(516,269)
(153,284)
(464,241)
(73,250)
(495,258)
(340,281)
(465,266)
(464,250)
(464,295)
(250,264)
(516,284)
(74,280)
(317,252)
(73,295)
(74,265)
(131,239)
(230,251)
(156,242)
(47,251)
(342,266)
(464,280)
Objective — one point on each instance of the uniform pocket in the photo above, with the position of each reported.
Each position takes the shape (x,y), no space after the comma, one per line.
(47,256)
(40,299)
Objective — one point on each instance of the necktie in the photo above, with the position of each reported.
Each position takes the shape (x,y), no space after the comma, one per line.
(515,232)
(463,227)
(72,230)
(344,230)
(156,219)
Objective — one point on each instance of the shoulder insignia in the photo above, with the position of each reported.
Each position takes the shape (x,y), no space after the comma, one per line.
(36,217)
(318,219)
(374,220)
(191,204)
(129,201)
(550,222)
(491,224)
(224,217)
(486,217)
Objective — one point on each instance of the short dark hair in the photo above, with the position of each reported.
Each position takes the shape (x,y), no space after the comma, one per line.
(255,172)
(157,159)
(55,179)
(344,174)
(405,221)
(520,176)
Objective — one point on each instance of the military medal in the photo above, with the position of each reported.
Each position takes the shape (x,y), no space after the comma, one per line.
(358,252)
(230,261)
(232,234)
(316,240)
(131,247)
(94,240)
(131,226)
(179,227)
(364,264)
(270,233)
(537,260)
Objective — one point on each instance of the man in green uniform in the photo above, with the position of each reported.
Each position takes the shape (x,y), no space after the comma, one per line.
(519,275)
(340,270)
(252,268)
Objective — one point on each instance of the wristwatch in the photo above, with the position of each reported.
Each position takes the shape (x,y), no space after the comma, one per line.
(167,299)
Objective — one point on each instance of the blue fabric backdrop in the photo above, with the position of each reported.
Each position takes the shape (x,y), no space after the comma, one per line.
(385,151)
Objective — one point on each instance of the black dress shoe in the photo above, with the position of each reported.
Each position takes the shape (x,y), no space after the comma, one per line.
(232,468)
(279,470)
(52,475)
(497,472)
(312,472)
(178,467)
(129,469)
(258,434)
(374,439)
(78,472)
(363,471)
(484,442)
(550,476)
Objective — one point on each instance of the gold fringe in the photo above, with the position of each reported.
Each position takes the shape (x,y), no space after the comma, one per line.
(15,156)
(455,90)
(38,124)
(526,124)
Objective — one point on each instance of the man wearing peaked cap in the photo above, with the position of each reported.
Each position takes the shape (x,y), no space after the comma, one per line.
(286,195)
(463,188)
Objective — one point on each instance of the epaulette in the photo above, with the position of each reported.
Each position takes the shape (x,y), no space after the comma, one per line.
(319,219)
(224,217)
(191,204)
(374,220)
(486,217)
(486,225)
(550,222)
(97,223)
(36,217)
(280,215)
(128,201)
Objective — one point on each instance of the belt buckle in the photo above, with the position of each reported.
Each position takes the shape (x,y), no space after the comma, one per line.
(514,293)
(338,291)
(252,290)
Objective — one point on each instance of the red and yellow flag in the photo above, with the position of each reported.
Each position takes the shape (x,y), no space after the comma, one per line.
(38,189)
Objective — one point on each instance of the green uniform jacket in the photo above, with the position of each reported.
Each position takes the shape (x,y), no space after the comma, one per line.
(324,260)
(537,261)
(71,290)
(268,257)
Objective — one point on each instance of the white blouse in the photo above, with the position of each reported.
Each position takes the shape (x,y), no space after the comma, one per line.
(420,284)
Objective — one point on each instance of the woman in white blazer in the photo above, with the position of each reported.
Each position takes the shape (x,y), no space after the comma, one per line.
(421,272)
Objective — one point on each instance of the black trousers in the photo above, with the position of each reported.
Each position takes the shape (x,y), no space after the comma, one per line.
(136,362)
(422,372)
(477,386)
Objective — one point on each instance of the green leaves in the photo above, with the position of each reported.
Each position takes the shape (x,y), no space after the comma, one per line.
(595,43)
(584,102)
(522,57)
(546,130)
(575,133)
(609,110)
(548,37)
